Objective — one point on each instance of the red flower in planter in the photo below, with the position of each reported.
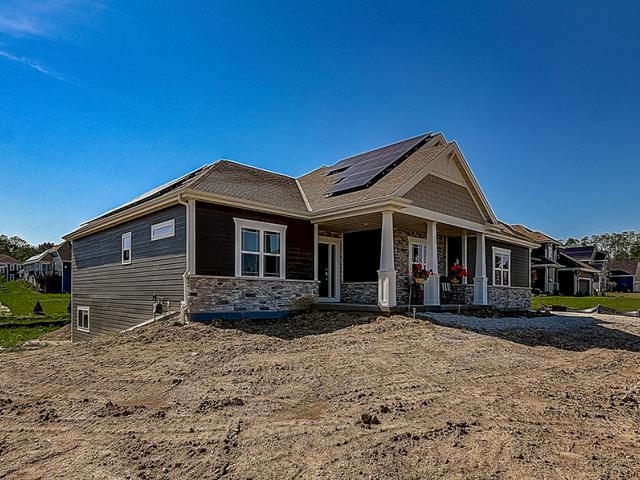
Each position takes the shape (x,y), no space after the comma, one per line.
(458,271)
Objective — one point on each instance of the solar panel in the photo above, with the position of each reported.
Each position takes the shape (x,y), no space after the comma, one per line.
(361,171)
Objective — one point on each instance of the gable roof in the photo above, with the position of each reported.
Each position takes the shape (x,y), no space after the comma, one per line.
(575,264)
(534,235)
(582,254)
(235,184)
(7,259)
(39,257)
(630,267)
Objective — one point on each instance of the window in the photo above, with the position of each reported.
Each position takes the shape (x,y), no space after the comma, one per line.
(417,253)
(126,248)
(163,230)
(260,249)
(501,267)
(83,319)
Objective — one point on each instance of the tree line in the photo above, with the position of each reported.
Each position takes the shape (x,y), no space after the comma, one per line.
(621,246)
(20,249)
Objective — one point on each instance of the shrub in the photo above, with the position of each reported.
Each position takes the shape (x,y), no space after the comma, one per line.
(37,309)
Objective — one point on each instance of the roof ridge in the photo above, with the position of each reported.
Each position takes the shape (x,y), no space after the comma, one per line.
(423,135)
(251,167)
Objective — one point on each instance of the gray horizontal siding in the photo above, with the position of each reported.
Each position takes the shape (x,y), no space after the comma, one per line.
(121,296)
(519,262)
(104,248)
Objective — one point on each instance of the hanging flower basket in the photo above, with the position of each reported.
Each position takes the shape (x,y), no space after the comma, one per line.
(420,274)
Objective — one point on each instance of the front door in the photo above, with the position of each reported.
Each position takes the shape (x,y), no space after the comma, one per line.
(329,269)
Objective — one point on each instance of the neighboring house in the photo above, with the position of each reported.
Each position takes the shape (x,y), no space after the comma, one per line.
(233,241)
(583,272)
(9,268)
(544,260)
(625,274)
(50,271)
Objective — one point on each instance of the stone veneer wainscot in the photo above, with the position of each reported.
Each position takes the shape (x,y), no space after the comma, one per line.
(512,298)
(211,294)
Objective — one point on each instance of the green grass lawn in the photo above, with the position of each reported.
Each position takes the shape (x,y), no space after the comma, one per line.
(11,337)
(20,299)
(620,301)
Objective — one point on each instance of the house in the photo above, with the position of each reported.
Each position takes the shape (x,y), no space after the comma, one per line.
(50,271)
(625,274)
(231,241)
(585,270)
(9,268)
(544,260)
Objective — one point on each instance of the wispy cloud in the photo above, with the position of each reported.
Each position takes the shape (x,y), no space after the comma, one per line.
(22,18)
(32,64)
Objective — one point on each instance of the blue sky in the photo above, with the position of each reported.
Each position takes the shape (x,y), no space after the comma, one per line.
(101,100)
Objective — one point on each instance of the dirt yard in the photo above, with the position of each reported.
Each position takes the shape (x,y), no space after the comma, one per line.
(332,397)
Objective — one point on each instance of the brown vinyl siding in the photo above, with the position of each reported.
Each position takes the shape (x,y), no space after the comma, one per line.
(120,296)
(215,241)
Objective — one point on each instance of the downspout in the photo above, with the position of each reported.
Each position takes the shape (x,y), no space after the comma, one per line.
(184,305)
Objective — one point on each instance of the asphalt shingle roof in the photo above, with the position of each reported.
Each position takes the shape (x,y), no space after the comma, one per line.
(316,184)
(235,180)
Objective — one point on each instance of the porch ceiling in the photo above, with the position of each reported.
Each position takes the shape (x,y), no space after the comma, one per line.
(372,221)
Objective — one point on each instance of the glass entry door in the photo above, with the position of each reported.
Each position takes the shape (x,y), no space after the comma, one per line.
(329,269)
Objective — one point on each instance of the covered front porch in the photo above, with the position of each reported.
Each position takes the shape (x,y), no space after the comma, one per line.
(368,261)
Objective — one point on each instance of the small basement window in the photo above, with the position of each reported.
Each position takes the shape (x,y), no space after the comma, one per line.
(83,319)
(501,267)
(126,248)
(260,249)
(163,230)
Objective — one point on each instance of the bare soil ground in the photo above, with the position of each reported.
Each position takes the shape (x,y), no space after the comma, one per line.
(328,396)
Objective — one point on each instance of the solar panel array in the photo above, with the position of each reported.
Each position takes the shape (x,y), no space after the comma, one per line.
(361,171)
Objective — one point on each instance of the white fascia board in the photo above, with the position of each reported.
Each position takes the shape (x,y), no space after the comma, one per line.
(444,218)
(121,217)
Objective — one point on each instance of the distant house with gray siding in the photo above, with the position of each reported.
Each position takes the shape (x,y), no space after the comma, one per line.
(233,241)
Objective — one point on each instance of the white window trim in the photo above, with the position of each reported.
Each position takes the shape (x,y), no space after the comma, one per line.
(122,250)
(416,241)
(261,227)
(78,327)
(169,223)
(500,251)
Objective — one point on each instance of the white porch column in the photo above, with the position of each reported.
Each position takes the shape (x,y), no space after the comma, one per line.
(480,294)
(432,286)
(464,256)
(387,272)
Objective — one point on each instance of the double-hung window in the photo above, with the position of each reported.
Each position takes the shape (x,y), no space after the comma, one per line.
(126,248)
(260,249)
(501,267)
(417,253)
(83,319)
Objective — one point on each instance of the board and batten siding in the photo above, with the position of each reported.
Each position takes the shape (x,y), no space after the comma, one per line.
(121,296)
(216,242)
